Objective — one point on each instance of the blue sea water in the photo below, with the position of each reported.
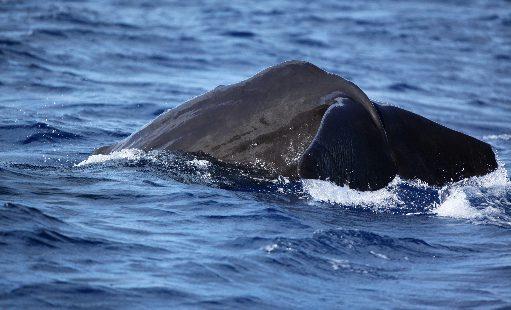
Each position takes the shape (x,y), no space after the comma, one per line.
(154,230)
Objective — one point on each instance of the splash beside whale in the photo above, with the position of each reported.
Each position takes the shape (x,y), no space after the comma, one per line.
(298,121)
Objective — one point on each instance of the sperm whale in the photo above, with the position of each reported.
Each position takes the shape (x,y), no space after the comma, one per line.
(299,121)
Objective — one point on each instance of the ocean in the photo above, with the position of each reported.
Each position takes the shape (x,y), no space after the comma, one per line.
(142,230)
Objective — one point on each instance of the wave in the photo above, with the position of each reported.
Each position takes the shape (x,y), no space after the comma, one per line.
(456,204)
(37,125)
(186,168)
(309,42)
(9,42)
(12,213)
(240,34)
(35,133)
(350,241)
(24,226)
(33,227)
(403,87)
(329,192)
(504,136)
(126,155)
(481,199)
(49,293)
(83,17)
(350,251)
(51,136)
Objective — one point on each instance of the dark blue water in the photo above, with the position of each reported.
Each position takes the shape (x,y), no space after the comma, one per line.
(137,230)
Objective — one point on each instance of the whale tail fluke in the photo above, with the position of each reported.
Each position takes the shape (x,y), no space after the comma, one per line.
(431,152)
(349,150)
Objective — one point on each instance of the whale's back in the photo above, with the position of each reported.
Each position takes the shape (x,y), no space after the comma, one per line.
(267,121)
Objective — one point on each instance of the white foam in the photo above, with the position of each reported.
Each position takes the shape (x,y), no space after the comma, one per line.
(339,263)
(495,179)
(379,255)
(457,205)
(271,247)
(475,198)
(126,154)
(199,163)
(328,192)
(202,166)
(504,136)
(455,198)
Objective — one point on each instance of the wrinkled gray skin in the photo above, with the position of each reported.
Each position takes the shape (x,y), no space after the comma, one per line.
(296,120)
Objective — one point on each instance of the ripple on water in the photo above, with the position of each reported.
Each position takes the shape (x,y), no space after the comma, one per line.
(35,133)
(161,231)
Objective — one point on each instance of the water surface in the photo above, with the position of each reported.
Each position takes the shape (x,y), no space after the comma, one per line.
(138,230)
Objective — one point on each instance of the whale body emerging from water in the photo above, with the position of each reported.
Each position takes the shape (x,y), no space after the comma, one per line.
(298,121)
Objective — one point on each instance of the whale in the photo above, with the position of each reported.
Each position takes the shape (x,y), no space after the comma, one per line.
(299,121)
